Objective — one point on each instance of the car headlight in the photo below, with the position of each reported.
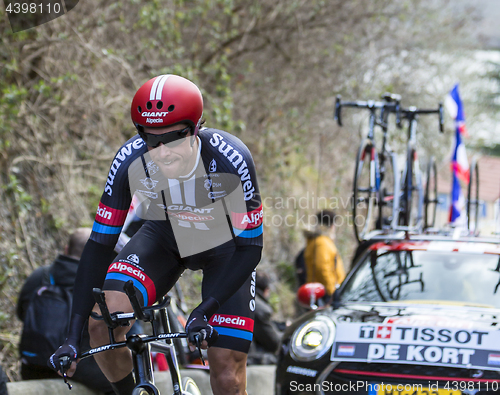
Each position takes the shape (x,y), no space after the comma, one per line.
(312,339)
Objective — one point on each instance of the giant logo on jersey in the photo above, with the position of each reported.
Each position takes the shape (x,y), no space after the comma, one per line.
(236,159)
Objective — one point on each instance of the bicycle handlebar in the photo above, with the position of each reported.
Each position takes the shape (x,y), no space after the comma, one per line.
(391,103)
(411,112)
(116,319)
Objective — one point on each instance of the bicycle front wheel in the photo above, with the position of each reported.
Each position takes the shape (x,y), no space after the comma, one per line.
(473,198)
(431,196)
(189,387)
(412,199)
(364,190)
(142,391)
(388,196)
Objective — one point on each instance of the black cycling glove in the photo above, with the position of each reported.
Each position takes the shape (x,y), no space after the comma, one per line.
(71,346)
(197,324)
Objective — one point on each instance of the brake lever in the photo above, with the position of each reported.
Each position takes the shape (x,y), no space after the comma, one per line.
(198,346)
(64,364)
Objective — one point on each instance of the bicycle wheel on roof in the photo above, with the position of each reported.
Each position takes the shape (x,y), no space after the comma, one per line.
(431,195)
(473,198)
(388,194)
(364,190)
(412,197)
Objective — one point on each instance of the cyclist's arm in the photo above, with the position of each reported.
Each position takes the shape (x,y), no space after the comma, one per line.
(234,273)
(92,269)
(247,227)
(110,217)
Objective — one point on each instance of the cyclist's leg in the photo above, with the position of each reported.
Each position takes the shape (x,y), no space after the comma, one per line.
(228,372)
(151,261)
(234,323)
(115,364)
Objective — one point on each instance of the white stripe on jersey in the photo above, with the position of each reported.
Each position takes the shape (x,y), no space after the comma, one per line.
(201,226)
(189,191)
(175,191)
(184,224)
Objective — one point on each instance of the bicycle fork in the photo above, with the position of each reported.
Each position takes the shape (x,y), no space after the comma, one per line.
(143,370)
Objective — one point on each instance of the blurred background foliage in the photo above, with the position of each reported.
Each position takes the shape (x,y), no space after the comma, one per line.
(269,71)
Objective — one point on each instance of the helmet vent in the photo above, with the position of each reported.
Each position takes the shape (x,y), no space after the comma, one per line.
(159,105)
(149,105)
(139,109)
(171,108)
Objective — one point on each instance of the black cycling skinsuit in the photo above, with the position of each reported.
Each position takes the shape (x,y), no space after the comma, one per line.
(210,219)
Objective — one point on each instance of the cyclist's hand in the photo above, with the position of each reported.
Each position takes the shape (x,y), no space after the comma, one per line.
(198,325)
(69,350)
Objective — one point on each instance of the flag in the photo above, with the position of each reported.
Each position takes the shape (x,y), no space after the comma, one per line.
(457,208)
(454,105)
(459,162)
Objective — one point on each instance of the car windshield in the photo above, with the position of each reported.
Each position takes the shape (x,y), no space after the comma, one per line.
(426,275)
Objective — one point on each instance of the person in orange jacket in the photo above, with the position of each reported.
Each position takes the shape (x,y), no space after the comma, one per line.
(322,259)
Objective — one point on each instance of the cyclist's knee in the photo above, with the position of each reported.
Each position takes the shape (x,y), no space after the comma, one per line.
(227,381)
(98,330)
(227,371)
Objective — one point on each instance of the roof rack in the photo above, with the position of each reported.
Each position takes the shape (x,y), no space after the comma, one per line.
(433,235)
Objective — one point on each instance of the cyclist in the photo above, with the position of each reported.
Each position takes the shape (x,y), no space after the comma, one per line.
(203,211)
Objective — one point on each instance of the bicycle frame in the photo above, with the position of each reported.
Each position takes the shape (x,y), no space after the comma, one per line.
(412,167)
(377,167)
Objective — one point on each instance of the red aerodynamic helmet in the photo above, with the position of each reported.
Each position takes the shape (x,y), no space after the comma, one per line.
(167,100)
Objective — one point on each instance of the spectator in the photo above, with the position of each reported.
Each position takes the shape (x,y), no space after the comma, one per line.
(3,383)
(323,262)
(266,336)
(62,273)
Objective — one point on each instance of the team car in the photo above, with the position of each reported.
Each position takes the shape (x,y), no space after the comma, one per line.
(416,315)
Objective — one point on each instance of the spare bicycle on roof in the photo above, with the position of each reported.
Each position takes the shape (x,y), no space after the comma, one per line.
(385,197)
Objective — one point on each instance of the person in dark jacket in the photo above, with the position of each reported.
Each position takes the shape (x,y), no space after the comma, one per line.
(266,336)
(62,272)
(3,383)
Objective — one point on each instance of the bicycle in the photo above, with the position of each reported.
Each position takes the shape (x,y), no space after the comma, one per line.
(142,345)
(473,201)
(375,174)
(412,199)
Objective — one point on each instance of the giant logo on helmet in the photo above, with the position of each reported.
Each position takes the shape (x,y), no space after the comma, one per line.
(154,114)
